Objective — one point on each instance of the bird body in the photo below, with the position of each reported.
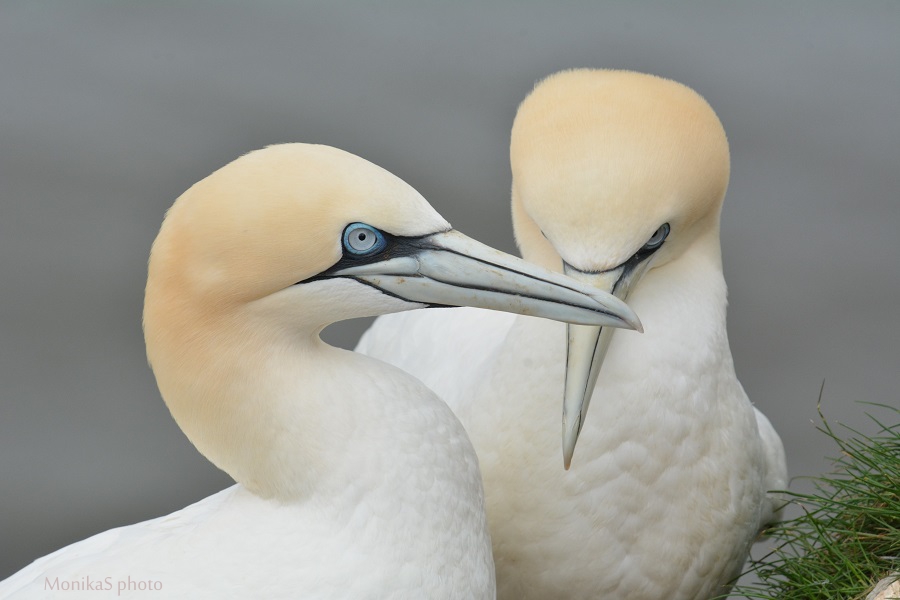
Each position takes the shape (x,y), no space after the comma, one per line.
(669,486)
(354,480)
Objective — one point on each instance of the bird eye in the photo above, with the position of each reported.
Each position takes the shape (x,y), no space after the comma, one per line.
(658,237)
(362,239)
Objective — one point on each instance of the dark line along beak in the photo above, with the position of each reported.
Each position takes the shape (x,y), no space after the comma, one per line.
(450,269)
(587,346)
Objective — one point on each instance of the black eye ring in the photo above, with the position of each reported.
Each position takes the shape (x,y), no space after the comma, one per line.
(659,236)
(362,240)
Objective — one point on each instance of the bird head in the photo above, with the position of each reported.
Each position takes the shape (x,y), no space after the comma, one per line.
(614,173)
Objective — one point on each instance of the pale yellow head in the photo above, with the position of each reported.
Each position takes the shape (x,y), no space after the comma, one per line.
(272,218)
(601,159)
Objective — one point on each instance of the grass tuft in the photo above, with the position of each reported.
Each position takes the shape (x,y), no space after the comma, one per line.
(847,536)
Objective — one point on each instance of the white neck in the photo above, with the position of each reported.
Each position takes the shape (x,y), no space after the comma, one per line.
(283,413)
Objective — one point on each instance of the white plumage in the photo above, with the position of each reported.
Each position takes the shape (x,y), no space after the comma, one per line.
(668,488)
(354,480)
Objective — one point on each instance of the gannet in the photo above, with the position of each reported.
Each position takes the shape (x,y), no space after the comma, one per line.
(618,180)
(353,479)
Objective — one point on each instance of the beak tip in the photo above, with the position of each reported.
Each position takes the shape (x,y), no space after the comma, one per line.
(569,440)
(638,326)
(633,321)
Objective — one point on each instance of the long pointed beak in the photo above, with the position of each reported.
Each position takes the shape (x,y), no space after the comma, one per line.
(450,269)
(586,349)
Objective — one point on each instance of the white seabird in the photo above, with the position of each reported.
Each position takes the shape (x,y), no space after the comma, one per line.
(354,480)
(618,180)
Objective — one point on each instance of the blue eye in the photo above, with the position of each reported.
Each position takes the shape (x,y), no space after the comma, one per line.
(362,239)
(658,237)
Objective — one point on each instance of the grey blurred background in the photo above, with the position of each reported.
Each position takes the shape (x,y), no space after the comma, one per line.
(108,111)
